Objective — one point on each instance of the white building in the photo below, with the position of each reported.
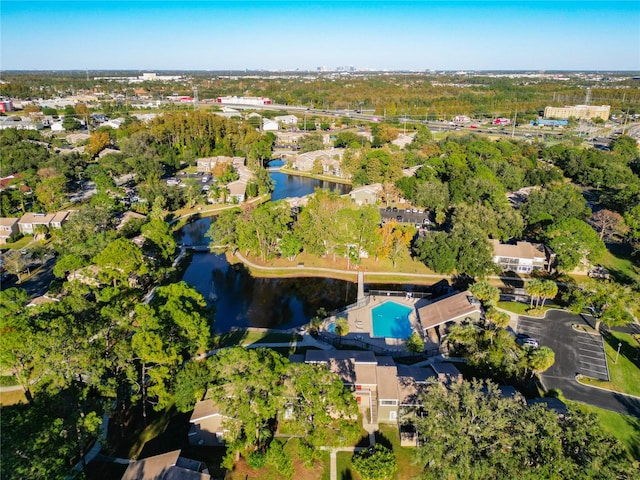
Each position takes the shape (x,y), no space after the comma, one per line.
(523,257)
(286,120)
(269,125)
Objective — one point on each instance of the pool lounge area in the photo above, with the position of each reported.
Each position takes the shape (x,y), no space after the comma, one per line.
(384,322)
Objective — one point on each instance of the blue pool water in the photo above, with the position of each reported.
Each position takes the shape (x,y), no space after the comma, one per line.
(331,328)
(391,320)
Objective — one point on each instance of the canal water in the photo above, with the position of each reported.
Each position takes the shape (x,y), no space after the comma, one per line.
(241,300)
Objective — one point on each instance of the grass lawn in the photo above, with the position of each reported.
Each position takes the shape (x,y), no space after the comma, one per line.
(617,260)
(388,436)
(522,308)
(625,374)
(12,398)
(623,427)
(245,337)
(21,243)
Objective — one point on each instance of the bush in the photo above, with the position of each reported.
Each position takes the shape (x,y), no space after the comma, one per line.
(256,460)
(375,463)
(278,458)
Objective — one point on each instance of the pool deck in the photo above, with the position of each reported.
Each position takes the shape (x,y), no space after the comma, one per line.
(361,327)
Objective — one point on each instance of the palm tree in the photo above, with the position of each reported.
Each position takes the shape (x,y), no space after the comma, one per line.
(540,360)
(549,289)
(534,289)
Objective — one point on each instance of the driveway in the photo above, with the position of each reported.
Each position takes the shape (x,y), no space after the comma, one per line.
(575,353)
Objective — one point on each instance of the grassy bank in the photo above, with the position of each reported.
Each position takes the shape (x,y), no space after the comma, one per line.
(623,427)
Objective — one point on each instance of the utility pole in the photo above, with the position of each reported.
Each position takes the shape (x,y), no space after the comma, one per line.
(195,98)
(515,119)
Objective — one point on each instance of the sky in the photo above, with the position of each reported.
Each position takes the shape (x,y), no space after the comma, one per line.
(305,35)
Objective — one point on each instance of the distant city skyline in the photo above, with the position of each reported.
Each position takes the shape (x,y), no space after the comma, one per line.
(275,35)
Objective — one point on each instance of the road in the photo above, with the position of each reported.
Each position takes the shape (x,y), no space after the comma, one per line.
(555,331)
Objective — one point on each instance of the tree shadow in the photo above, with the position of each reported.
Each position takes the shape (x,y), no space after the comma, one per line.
(512,280)
(627,348)
(383,440)
(346,475)
(231,338)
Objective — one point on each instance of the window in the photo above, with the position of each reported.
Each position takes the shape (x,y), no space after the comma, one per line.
(393,415)
(389,403)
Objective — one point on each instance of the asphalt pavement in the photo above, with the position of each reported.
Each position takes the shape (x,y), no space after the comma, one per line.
(575,353)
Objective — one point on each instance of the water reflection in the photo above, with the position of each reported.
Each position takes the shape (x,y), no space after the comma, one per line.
(245,301)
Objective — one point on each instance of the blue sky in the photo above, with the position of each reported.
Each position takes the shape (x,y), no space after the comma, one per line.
(231,35)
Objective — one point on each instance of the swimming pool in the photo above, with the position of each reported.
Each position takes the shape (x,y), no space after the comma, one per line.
(331,328)
(391,320)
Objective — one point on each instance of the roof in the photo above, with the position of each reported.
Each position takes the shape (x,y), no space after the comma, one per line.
(166,466)
(8,222)
(205,409)
(239,187)
(59,217)
(42,218)
(323,356)
(387,382)
(448,309)
(519,250)
(410,391)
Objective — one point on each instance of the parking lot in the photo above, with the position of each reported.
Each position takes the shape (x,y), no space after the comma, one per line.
(406,215)
(584,352)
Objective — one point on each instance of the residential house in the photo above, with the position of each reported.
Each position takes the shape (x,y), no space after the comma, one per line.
(166,466)
(288,120)
(41,300)
(523,257)
(382,389)
(19,124)
(367,194)
(128,216)
(57,127)
(207,425)
(59,218)
(8,229)
(114,123)
(452,308)
(29,221)
(237,190)
(206,165)
(269,125)
(329,159)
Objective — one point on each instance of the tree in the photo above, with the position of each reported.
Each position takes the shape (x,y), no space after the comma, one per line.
(394,240)
(549,289)
(290,245)
(534,289)
(98,141)
(540,359)
(70,123)
(375,463)
(311,143)
(437,252)
(574,240)
(247,386)
(119,260)
(415,343)
(607,223)
(223,229)
(485,292)
(498,318)
(158,233)
(471,431)
(342,326)
(607,301)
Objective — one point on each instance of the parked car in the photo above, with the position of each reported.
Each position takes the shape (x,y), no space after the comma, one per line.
(525,340)
(399,218)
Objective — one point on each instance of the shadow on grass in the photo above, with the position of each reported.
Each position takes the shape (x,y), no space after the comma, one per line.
(231,338)
(346,475)
(628,349)
(383,440)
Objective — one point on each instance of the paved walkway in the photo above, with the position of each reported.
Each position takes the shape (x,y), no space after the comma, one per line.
(333,464)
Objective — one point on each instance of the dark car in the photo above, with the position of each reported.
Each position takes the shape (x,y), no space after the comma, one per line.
(399,218)
(395,209)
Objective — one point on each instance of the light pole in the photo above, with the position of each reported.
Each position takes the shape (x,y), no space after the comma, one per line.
(618,352)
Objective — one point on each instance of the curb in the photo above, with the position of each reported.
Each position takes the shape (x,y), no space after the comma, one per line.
(602,388)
